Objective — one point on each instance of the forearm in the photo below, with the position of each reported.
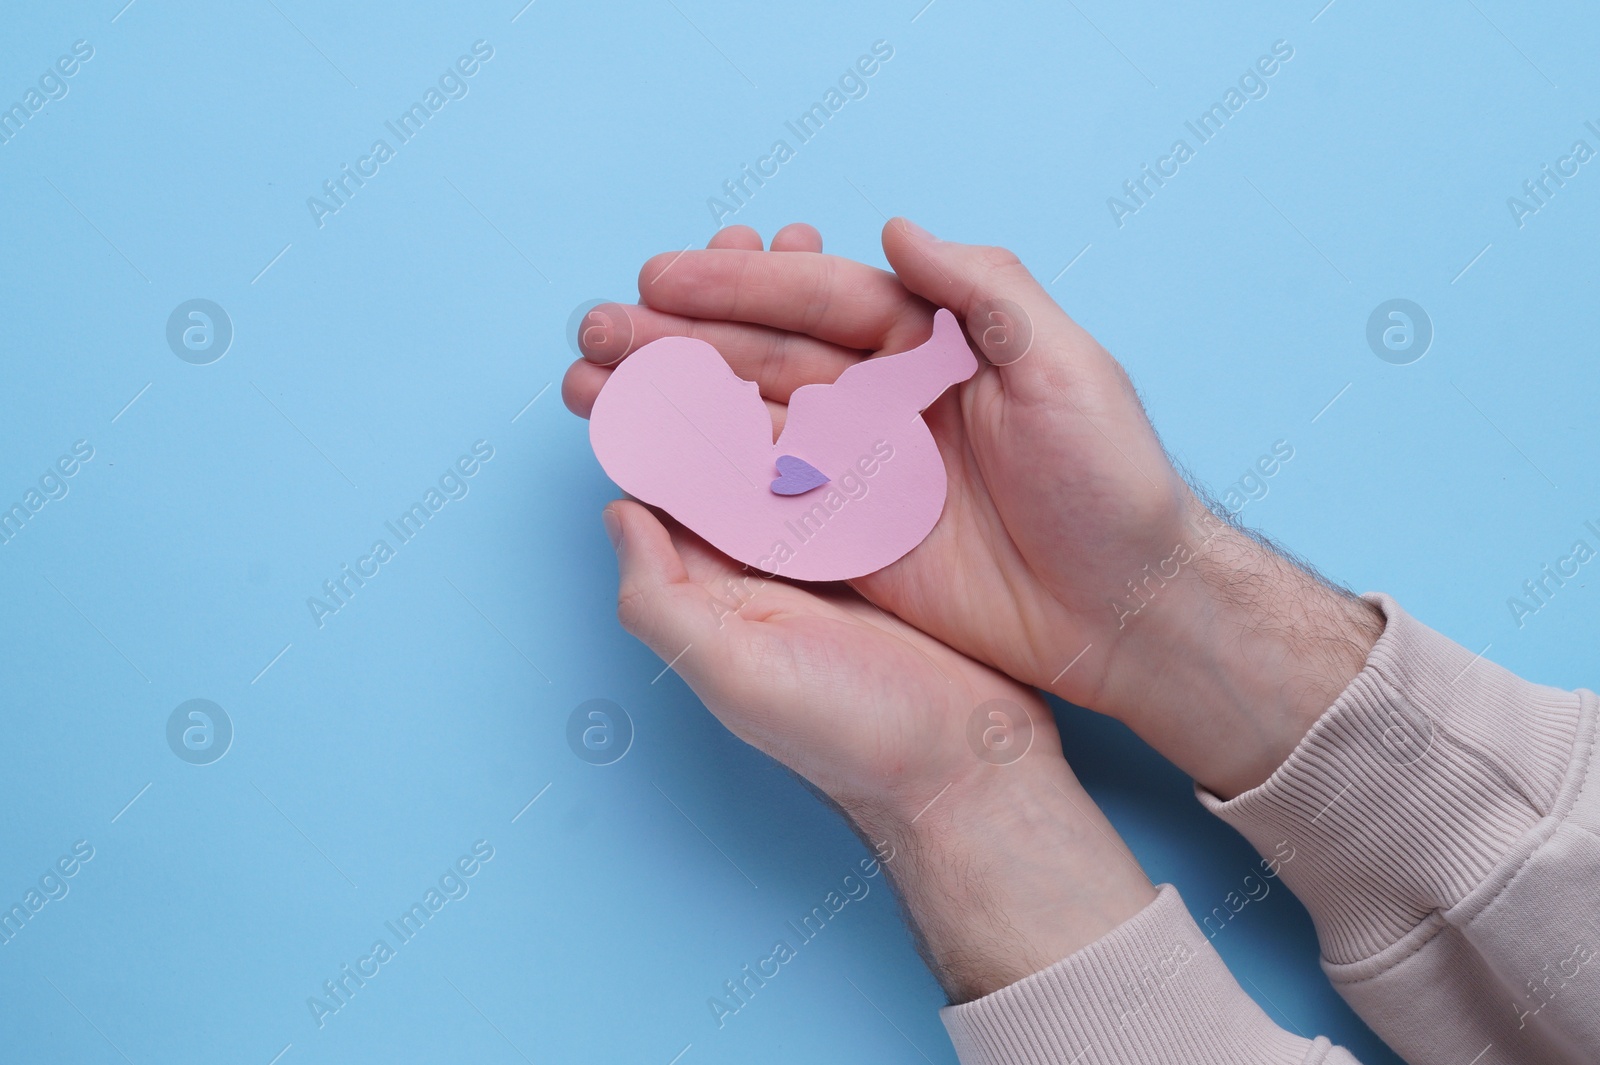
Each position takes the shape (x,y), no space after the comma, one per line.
(1230,661)
(1439,810)
(1005,873)
(1046,935)
(1050,941)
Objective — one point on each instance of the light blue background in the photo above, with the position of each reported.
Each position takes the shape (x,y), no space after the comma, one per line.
(424,317)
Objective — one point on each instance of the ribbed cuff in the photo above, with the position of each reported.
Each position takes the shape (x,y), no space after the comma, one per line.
(1151,991)
(1430,768)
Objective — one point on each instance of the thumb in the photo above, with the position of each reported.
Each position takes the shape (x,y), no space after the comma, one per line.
(1010,317)
(651,577)
(656,599)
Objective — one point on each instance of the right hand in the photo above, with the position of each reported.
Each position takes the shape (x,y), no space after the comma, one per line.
(1062,502)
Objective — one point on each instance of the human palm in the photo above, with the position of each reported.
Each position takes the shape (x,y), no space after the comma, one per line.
(792,671)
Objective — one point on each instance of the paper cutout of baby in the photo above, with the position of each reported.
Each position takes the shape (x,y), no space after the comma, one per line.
(861,482)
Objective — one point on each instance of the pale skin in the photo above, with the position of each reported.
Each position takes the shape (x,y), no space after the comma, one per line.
(1060,495)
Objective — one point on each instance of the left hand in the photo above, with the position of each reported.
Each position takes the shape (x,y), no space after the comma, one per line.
(867,708)
(1005,868)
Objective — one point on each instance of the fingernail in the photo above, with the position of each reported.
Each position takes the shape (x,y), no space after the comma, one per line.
(613,526)
(916,230)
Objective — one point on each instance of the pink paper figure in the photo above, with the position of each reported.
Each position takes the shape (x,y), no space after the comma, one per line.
(676,428)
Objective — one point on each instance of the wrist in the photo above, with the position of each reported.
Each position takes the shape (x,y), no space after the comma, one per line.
(1006,872)
(1229,662)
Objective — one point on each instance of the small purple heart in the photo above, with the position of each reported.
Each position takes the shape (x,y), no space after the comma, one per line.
(797,476)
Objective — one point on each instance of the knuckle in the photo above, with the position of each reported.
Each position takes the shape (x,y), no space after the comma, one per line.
(774,365)
(997,272)
(997,259)
(632,607)
(820,301)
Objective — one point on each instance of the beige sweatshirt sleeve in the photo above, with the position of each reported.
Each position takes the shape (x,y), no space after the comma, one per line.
(1445,828)
(1152,991)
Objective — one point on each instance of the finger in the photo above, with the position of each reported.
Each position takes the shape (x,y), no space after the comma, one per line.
(797,236)
(735,238)
(656,599)
(737,590)
(824,296)
(731,582)
(734,586)
(583,381)
(987,287)
(777,360)
(581,386)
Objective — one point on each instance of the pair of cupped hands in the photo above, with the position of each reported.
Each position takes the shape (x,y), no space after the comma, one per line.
(1071,557)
